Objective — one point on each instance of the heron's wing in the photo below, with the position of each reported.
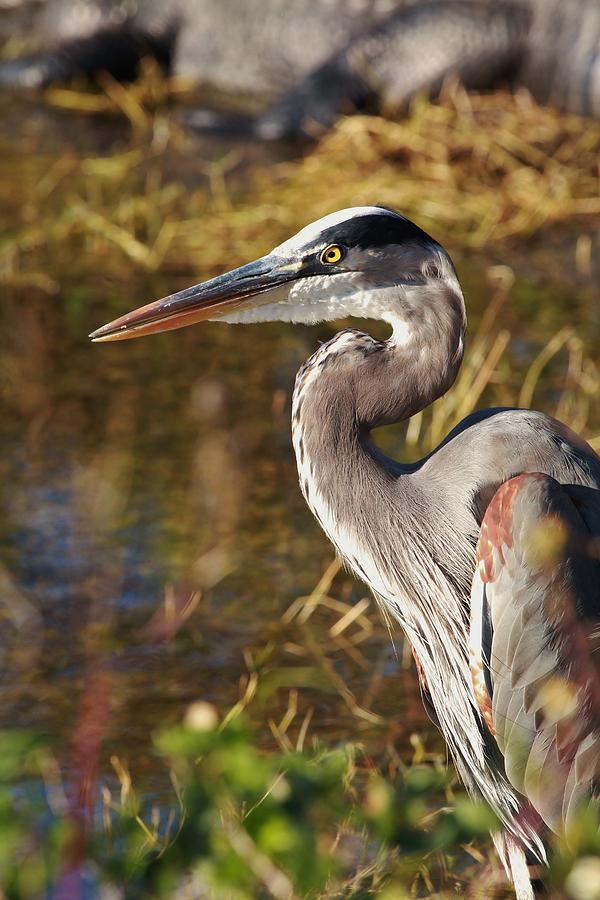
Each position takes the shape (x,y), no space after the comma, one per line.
(535,639)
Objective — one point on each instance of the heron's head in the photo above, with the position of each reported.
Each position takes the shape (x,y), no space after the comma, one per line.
(366,261)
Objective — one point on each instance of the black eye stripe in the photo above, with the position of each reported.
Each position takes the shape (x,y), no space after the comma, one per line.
(377,230)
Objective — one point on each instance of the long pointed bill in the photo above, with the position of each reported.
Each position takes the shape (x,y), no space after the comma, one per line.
(250,285)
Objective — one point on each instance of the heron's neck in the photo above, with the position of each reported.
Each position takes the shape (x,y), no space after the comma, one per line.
(354,383)
(394,532)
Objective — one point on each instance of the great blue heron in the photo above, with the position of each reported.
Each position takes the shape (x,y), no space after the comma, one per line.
(504,626)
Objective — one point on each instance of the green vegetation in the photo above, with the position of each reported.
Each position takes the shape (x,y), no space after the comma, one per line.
(247,824)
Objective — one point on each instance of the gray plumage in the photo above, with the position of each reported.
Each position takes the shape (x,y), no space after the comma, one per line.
(538,586)
(485,619)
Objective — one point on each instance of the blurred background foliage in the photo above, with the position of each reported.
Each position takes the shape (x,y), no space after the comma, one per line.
(245,824)
(195,700)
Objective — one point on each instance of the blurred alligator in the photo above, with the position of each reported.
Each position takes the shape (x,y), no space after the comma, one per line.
(313,60)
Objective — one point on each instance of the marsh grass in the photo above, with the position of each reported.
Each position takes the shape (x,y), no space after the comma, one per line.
(475,170)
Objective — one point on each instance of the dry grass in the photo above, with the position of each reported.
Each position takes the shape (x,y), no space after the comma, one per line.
(475,170)
(478,169)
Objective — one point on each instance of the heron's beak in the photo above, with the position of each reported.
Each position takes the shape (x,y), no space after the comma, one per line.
(251,285)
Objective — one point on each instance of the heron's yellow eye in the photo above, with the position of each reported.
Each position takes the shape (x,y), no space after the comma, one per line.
(332,254)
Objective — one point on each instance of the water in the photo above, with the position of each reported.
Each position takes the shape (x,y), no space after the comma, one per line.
(131,473)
